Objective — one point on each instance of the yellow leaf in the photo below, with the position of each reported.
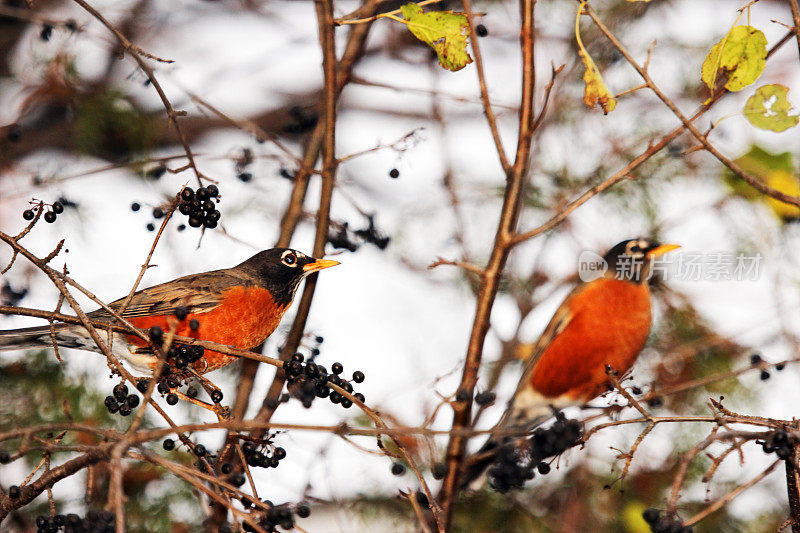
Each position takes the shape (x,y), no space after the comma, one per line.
(769,109)
(596,91)
(741,55)
(787,183)
(444,31)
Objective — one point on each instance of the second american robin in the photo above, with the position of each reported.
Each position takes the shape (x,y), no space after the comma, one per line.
(239,306)
(603,322)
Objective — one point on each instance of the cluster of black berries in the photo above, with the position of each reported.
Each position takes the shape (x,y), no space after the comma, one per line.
(757,360)
(282,516)
(179,357)
(514,463)
(660,523)
(182,355)
(93,522)
(55,209)
(259,456)
(310,380)
(342,239)
(781,443)
(303,120)
(199,206)
(120,401)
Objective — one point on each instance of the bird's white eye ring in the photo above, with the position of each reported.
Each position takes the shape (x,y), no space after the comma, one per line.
(289,259)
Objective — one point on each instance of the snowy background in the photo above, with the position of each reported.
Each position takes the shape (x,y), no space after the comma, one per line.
(381,311)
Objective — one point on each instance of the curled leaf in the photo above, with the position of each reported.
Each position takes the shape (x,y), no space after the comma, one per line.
(596,91)
(769,109)
(444,31)
(741,55)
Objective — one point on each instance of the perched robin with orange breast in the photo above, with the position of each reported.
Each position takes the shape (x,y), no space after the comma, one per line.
(239,307)
(603,322)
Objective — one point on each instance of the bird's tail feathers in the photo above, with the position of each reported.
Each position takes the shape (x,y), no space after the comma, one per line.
(38,337)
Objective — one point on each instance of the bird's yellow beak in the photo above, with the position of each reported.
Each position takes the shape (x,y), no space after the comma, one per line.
(319,264)
(661,250)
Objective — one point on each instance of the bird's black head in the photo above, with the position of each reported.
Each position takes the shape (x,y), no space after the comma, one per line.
(632,259)
(280,270)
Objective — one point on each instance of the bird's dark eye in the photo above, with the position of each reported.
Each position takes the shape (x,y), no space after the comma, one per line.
(289,259)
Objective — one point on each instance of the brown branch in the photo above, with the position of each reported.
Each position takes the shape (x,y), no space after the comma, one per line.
(730,496)
(487,104)
(793,490)
(462,411)
(136,53)
(738,171)
(796,18)
(49,478)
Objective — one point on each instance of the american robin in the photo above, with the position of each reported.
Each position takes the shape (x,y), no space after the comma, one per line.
(239,307)
(602,322)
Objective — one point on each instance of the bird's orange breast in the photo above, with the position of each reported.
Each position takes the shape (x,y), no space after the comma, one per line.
(244,318)
(609,326)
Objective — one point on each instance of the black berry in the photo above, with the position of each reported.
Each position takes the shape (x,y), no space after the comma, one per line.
(358,376)
(156,334)
(58,208)
(28,214)
(481,31)
(398,469)
(172,398)
(651,516)
(394,173)
(485,398)
(13,492)
(50,217)
(168,444)
(302,510)
(194,324)
(142,384)
(439,470)
(216,396)
(337,368)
